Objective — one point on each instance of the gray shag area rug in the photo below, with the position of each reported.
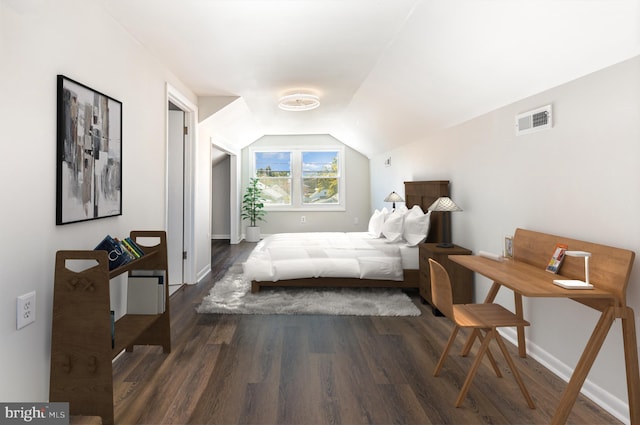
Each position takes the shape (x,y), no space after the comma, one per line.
(232,295)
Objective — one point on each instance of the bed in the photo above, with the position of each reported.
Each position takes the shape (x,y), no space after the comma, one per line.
(347,259)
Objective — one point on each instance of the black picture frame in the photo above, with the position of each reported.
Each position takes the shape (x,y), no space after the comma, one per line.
(89,154)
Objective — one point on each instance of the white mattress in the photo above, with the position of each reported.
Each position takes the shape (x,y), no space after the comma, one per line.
(329,254)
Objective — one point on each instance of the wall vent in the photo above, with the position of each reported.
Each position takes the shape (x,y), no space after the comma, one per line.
(535,120)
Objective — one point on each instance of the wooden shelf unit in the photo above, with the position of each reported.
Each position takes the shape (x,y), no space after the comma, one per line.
(81,334)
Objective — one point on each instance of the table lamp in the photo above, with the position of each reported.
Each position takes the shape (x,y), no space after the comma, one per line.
(586,256)
(393,197)
(446,206)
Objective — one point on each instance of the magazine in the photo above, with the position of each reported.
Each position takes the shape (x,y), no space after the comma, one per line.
(556,259)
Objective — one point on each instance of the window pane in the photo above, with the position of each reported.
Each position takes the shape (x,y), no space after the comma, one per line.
(319,164)
(320,191)
(273,169)
(273,164)
(276,191)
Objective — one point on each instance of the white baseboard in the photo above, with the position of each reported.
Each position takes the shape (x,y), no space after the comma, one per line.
(606,400)
(203,273)
(221,236)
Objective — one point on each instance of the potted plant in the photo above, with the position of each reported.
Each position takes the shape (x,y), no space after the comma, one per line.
(253,209)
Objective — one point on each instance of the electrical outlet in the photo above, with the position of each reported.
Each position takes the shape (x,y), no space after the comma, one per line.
(356,220)
(303,219)
(25,310)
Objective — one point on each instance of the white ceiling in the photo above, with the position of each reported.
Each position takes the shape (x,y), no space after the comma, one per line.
(388,72)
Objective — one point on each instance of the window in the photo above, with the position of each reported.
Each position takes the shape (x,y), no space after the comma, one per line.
(309,179)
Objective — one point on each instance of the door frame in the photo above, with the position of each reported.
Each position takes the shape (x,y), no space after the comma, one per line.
(190,116)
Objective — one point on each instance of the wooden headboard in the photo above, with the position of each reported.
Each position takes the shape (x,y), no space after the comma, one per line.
(424,194)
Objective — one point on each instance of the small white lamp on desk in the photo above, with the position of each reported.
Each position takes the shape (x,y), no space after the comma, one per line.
(577,284)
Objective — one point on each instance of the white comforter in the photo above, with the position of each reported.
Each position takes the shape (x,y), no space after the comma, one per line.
(324,254)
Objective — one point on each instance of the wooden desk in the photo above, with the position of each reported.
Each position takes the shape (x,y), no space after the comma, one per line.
(526,279)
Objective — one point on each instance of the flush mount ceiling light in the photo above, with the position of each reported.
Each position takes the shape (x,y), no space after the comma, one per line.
(299,102)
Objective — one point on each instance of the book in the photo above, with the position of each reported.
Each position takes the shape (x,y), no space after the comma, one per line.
(117,257)
(556,259)
(113,328)
(130,248)
(155,281)
(125,250)
(161,295)
(160,275)
(573,284)
(144,295)
(135,246)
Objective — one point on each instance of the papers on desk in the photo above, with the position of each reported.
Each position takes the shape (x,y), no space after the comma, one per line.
(572,284)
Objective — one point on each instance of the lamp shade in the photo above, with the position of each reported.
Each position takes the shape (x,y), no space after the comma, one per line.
(444,203)
(393,197)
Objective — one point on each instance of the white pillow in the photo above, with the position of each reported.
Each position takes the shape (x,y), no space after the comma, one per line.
(392,228)
(402,209)
(415,211)
(386,213)
(416,226)
(376,222)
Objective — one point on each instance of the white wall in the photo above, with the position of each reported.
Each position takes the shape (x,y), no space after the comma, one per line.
(580,179)
(209,130)
(38,40)
(356,169)
(202,207)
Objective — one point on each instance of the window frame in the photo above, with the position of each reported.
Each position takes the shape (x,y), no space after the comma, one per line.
(297,178)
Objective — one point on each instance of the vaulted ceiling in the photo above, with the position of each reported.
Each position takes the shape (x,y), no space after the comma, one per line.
(387,72)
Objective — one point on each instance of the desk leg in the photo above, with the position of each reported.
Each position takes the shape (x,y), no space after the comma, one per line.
(493,291)
(522,344)
(631,362)
(584,365)
(491,296)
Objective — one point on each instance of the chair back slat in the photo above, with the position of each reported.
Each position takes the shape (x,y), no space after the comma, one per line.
(441,292)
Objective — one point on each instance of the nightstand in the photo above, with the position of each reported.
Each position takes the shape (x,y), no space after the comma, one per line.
(461,277)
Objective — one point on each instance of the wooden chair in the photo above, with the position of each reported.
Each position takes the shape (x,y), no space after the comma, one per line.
(485,318)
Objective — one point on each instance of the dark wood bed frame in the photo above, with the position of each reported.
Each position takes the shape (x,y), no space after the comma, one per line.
(422,193)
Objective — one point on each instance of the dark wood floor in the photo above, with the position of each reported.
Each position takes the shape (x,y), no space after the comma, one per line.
(227,369)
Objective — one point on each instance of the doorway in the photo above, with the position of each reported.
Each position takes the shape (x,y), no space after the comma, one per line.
(220,194)
(175,192)
(179,184)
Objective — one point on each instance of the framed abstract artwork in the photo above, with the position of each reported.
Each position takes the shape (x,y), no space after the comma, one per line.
(89,154)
